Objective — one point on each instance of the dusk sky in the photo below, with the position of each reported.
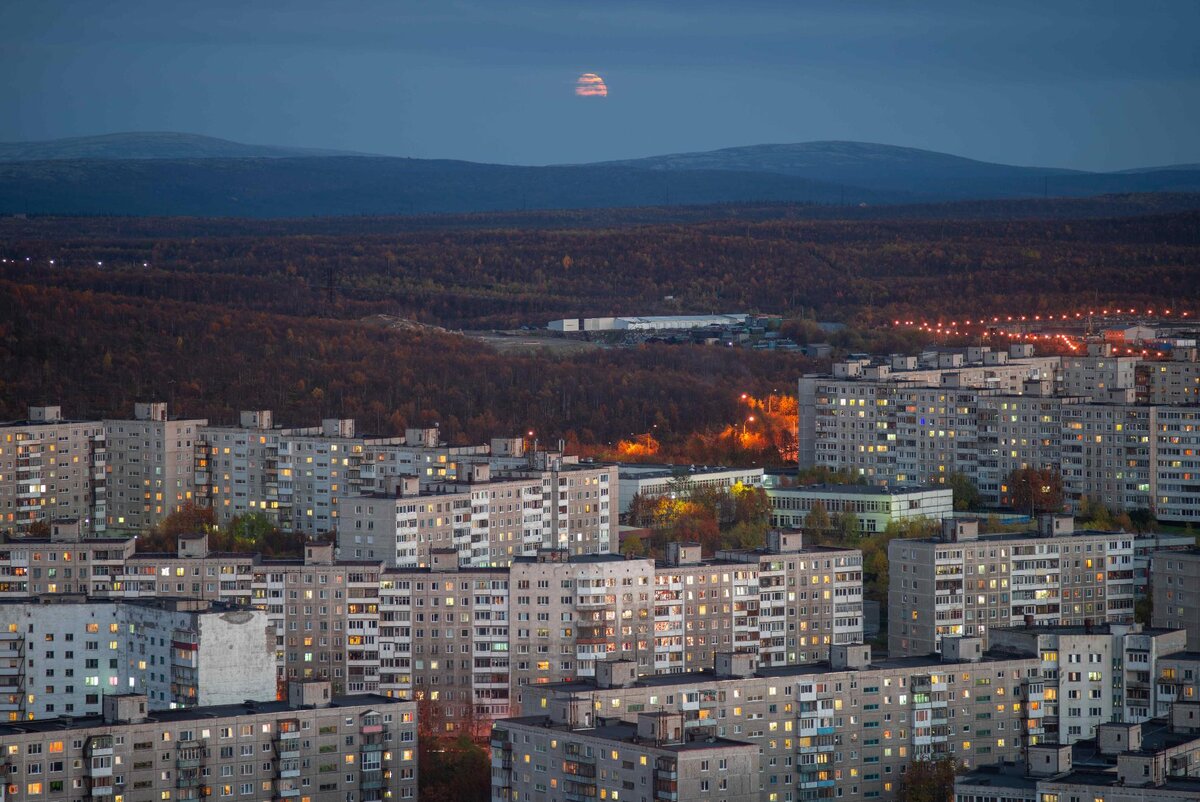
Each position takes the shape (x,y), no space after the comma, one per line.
(1090,85)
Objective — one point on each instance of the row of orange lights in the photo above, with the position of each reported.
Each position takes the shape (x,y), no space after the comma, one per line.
(1039,318)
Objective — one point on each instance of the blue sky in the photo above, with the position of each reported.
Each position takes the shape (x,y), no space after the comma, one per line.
(1089,85)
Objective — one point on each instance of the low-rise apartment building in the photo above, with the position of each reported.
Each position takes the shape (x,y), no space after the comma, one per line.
(314,746)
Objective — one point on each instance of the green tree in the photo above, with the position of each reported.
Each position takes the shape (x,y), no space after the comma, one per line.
(845,526)
(632,546)
(817,519)
(966,494)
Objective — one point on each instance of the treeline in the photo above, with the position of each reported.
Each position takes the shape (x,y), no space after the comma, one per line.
(865,270)
(97,353)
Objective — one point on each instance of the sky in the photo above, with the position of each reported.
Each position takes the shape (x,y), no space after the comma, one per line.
(1064,83)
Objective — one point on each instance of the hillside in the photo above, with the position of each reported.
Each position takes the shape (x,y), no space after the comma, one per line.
(303,187)
(185,175)
(149,145)
(920,173)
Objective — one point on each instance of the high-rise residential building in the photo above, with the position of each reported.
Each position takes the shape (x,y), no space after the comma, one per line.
(470,639)
(1176,381)
(61,656)
(313,746)
(1098,373)
(809,599)
(963,582)
(1175,592)
(52,468)
(843,729)
(895,423)
(1095,674)
(152,462)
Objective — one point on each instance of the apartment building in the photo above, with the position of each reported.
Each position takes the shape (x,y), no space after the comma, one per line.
(895,423)
(1016,432)
(443,638)
(1178,677)
(1097,373)
(568,612)
(845,728)
(963,582)
(486,520)
(650,758)
(875,507)
(1154,761)
(702,607)
(1095,674)
(60,656)
(1175,591)
(845,417)
(152,466)
(1176,381)
(315,746)
(52,468)
(809,598)
(238,470)
(458,635)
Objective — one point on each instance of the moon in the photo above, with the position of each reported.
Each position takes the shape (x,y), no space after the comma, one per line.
(590,85)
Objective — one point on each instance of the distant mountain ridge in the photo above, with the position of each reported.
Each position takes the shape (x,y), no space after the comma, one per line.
(151,145)
(183,174)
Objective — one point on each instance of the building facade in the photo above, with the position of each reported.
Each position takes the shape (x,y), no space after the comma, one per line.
(963,583)
(314,746)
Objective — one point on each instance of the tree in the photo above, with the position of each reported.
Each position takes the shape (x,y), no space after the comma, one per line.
(632,546)
(817,519)
(966,494)
(845,526)
(1036,489)
(928,780)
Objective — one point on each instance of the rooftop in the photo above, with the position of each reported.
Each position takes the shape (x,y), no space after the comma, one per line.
(863,490)
(627,732)
(207,713)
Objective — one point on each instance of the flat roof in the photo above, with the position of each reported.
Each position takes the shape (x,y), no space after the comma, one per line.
(627,732)
(205,713)
(862,490)
(823,667)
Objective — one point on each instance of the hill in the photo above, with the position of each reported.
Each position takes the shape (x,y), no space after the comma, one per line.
(150,145)
(919,173)
(303,187)
(186,175)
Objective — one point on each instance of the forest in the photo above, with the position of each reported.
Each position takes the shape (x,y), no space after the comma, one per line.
(217,316)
